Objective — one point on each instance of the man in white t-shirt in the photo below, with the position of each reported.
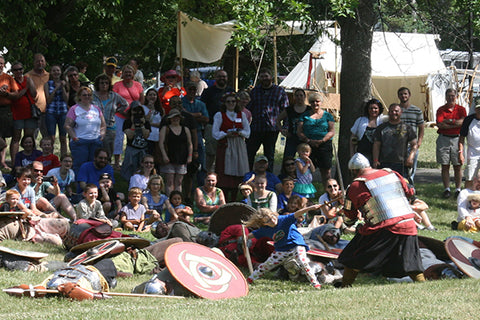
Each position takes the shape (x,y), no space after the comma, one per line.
(471,130)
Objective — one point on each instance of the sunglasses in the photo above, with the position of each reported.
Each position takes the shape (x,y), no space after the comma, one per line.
(332,186)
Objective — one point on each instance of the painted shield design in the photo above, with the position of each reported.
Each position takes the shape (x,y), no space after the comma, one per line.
(94,253)
(204,272)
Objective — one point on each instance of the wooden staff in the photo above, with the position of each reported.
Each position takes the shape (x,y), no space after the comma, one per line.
(246,252)
(116,294)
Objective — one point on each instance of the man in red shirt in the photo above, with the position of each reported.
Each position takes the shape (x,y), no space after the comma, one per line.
(449,121)
(387,241)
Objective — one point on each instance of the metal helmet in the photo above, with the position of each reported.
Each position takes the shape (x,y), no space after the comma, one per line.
(358,161)
(207,238)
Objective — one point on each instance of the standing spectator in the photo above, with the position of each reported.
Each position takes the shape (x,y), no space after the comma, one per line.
(40,76)
(131,91)
(57,107)
(364,128)
(8,91)
(413,116)
(154,114)
(21,110)
(471,130)
(137,130)
(86,127)
(318,130)
(138,73)
(243,101)
(212,98)
(109,69)
(268,101)
(82,69)
(198,110)
(290,117)
(199,83)
(73,85)
(395,143)
(449,121)
(109,102)
(172,88)
(230,129)
(176,148)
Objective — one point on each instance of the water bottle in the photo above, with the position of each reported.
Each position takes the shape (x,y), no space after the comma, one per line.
(282,141)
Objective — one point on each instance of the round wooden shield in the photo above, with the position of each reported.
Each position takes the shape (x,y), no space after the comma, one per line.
(462,254)
(24,253)
(228,214)
(204,272)
(127,241)
(322,253)
(94,253)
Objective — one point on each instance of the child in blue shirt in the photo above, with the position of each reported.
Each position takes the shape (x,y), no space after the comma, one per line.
(288,241)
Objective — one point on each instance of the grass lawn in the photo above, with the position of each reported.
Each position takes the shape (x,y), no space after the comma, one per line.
(369,298)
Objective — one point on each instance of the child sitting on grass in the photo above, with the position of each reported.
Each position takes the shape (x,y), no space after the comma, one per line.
(470,220)
(90,207)
(246,190)
(182,211)
(132,215)
(288,241)
(261,197)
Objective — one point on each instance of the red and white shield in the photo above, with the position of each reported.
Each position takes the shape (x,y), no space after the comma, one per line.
(204,272)
(94,253)
(461,252)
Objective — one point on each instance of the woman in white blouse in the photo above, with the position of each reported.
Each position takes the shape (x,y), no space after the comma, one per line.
(230,129)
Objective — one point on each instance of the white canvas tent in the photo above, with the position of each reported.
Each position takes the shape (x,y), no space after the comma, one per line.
(398,59)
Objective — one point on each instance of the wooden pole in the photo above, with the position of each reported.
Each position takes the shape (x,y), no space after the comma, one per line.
(275,78)
(237,53)
(246,252)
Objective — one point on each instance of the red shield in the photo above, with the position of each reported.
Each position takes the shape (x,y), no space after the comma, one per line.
(461,252)
(127,241)
(205,272)
(322,253)
(94,253)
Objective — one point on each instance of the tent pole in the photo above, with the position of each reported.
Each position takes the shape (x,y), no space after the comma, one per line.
(236,67)
(337,83)
(179,36)
(275,77)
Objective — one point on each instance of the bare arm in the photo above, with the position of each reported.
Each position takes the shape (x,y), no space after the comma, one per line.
(376,153)
(461,145)
(421,133)
(300,212)
(69,124)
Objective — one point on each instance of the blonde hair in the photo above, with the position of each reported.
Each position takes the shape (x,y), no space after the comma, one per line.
(257,220)
(474,197)
(303,147)
(155,177)
(10,193)
(134,190)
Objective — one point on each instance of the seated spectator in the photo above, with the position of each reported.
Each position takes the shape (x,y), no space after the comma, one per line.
(27,194)
(132,215)
(29,153)
(90,207)
(287,191)
(91,171)
(155,201)
(288,169)
(48,159)
(182,212)
(470,221)
(261,197)
(43,189)
(142,176)
(463,204)
(109,198)
(421,218)
(64,175)
(207,199)
(260,169)
(246,190)
(332,203)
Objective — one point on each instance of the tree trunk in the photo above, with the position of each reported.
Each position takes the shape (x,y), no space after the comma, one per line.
(356,43)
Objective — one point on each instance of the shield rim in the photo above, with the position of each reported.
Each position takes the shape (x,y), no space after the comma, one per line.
(463,266)
(86,258)
(169,256)
(23,253)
